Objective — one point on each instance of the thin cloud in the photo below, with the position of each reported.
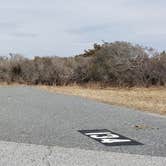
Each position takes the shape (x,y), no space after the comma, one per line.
(24,35)
(49,27)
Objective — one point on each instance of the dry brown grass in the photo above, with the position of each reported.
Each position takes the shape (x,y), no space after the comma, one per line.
(146,99)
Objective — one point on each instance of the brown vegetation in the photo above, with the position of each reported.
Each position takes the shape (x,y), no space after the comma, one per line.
(115,64)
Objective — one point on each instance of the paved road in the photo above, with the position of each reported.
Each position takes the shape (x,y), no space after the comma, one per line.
(30,115)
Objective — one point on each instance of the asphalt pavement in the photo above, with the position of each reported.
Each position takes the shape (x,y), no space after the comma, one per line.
(34,116)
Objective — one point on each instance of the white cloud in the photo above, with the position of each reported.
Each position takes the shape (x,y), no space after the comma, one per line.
(48,27)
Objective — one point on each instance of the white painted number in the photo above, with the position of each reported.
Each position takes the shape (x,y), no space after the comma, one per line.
(109,141)
(102,135)
(107,137)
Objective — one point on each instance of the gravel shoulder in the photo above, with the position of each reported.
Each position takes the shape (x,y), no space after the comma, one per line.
(18,154)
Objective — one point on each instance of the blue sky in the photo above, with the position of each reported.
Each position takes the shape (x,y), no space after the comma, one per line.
(64,28)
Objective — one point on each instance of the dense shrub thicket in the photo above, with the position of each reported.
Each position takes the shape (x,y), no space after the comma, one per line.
(116,64)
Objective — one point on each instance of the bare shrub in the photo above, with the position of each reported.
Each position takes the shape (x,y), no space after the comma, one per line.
(82,70)
(117,64)
(124,64)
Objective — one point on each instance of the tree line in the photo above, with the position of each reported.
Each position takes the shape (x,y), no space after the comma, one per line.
(113,64)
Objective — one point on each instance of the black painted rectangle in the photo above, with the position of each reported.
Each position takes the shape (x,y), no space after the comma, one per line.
(109,138)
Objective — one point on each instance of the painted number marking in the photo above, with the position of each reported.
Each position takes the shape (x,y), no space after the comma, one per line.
(109,138)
